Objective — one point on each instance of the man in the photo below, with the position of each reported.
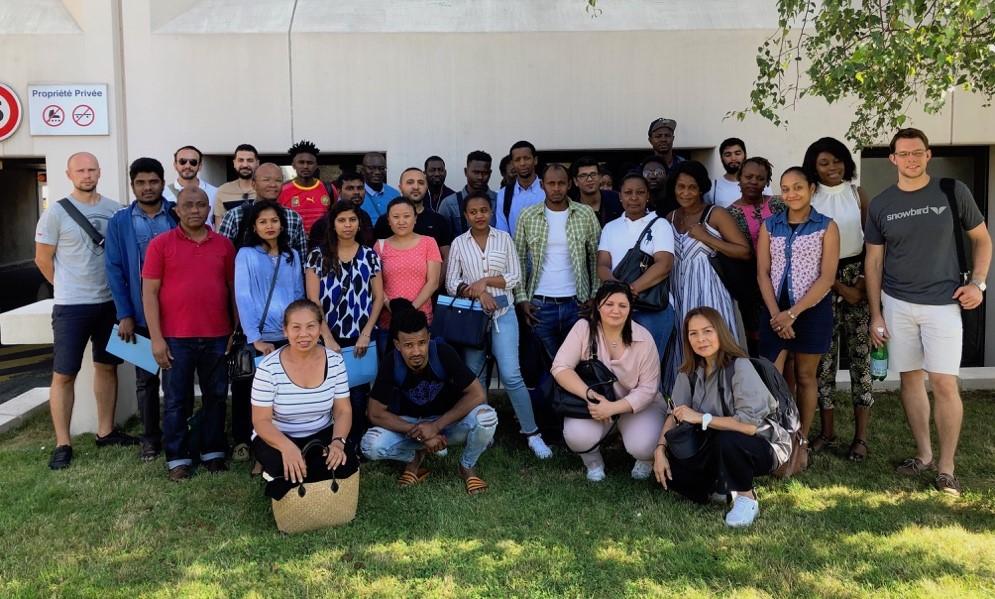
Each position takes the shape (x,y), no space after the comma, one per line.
(234,193)
(526,189)
(725,190)
(188,161)
(478,175)
(414,186)
(188,294)
(507,171)
(267,183)
(661,138)
(607,182)
(587,179)
(655,173)
(557,244)
(70,255)
(911,267)
(435,171)
(424,399)
(353,190)
(128,237)
(306,194)
(378,193)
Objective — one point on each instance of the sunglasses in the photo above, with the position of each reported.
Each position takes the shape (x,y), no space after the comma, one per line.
(186,161)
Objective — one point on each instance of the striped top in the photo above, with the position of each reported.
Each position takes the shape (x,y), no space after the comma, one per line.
(468,264)
(299,411)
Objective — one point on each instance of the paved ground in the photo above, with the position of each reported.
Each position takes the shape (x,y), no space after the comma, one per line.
(24,367)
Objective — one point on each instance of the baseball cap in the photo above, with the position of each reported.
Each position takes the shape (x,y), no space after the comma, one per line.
(662,122)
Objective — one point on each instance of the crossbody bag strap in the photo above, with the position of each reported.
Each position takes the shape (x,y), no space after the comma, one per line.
(509,193)
(461,208)
(83,222)
(705,214)
(269,295)
(947,185)
(646,231)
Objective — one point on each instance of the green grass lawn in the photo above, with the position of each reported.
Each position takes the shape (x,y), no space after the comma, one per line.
(111,526)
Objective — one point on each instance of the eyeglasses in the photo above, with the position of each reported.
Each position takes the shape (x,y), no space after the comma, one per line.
(186,161)
(915,154)
(656,172)
(588,176)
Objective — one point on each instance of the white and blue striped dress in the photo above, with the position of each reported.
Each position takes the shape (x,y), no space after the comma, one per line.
(299,411)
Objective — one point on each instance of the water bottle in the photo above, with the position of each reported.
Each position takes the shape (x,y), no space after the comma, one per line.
(879,359)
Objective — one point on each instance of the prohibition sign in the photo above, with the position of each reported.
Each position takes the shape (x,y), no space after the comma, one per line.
(10,111)
(53,115)
(83,115)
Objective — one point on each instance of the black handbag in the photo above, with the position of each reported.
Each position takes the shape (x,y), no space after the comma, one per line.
(462,327)
(734,274)
(633,265)
(686,440)
(242,356)
(598,378)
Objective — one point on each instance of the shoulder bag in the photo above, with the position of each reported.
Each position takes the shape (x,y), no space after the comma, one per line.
(462,327)
(633,265)
(686,440)
(598,378)
(730,271)
(242,357)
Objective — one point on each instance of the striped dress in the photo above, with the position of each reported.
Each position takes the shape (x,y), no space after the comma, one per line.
(299,411)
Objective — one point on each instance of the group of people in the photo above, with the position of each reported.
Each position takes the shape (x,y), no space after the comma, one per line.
(673,282)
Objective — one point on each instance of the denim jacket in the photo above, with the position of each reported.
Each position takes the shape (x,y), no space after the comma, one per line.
(796,255)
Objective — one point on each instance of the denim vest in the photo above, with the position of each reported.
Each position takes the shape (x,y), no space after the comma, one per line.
(796,255)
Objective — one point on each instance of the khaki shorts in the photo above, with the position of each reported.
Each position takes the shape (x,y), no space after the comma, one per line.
(923,337)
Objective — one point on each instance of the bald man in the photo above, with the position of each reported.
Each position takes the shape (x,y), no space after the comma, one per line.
(267,182)
(69,251)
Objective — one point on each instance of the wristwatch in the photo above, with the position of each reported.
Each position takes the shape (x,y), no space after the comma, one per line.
(706,419)
(980,284)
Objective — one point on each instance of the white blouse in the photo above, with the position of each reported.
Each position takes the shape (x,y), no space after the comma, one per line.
(842,204)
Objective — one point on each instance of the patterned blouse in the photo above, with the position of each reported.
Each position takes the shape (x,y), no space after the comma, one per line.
(347,297)
(749,217)
(796,252)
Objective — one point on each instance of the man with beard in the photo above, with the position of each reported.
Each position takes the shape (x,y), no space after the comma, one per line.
(435,172)
(478,175)
(234,193)
(414,186)
(306,194)
(587,181)
(661,138)
(353,190)
(725,190)
(267,182)
(655,172)
(188,161)
(69,252)
(378,193)
(526,190)
(128,236)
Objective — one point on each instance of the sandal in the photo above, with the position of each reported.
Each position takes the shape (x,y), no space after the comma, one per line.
(409,478)
(821,442)
(474,485)
(854,455)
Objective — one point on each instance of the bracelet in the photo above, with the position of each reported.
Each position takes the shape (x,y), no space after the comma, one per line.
(364,335)
(334,439)
(792,315)
(659,445)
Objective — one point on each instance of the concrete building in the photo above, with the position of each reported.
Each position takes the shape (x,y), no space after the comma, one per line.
(413,78)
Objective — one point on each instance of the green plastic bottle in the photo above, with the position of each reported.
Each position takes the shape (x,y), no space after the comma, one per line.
(879,360)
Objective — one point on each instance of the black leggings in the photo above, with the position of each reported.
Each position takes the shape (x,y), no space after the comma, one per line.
(271,458)
(728,463)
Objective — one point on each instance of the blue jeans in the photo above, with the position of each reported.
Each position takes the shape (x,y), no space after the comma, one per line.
(504,347)
(659,324)
(476,430)
(206,357)
(555,321)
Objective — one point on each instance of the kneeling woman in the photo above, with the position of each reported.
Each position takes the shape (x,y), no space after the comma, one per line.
(628,350)
(300,393)
(746,441)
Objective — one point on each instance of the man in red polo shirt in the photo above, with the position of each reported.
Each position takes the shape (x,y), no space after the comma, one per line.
(188,295)
(306,194)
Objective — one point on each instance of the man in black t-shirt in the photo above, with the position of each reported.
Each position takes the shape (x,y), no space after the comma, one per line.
(425,398)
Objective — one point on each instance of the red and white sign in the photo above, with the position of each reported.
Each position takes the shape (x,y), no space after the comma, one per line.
(53,115)
(10,111)
(83,115)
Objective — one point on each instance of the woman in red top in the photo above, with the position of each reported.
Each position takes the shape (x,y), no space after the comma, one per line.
(412,263)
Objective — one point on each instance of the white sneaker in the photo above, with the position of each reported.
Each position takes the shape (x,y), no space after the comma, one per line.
(744,511)
(539,447)
(596,475)
(442,452)
(642,470)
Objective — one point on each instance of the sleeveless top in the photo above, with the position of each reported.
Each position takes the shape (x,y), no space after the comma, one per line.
(842,204)
(796,252)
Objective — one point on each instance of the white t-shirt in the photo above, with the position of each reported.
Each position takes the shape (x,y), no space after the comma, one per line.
(557,276)
(619,235)
(724,192)
(172,190)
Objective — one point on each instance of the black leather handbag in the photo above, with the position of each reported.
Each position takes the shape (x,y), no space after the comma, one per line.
(686,440)
(461,327)
(598,378)
(633,265)
(242,356)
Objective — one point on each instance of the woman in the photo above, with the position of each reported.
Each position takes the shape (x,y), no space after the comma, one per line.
(265,252)
(343,277)
(729,398)
(701,232)
(749,212)
(483,265)
(300,393)
(627,349)
(838,197)
(412,263)
(620,235)
(797,255)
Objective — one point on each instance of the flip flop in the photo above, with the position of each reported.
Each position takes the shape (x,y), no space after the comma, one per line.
(474,485)
(409,478)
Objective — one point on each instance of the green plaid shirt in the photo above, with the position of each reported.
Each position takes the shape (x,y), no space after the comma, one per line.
(583,233)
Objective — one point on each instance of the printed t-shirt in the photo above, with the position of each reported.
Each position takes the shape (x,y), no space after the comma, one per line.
(422,393)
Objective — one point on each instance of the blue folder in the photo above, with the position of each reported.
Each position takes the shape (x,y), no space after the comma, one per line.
(138,353)
(363,370)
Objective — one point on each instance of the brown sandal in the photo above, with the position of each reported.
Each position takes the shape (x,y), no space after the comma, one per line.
(821,442)
(410,479)
(474,485)
(854,455)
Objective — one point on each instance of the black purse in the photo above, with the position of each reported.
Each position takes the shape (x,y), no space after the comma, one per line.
(242,356)
(734,274)
(462,327)
(598,378)
(687,440)
(633,265)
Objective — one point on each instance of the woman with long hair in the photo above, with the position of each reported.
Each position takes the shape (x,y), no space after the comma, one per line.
(719,389)
(628,350)
(839,198)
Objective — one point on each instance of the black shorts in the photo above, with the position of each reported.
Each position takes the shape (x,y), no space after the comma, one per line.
(73,326)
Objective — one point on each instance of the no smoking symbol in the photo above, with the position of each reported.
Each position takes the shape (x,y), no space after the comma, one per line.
(83,115)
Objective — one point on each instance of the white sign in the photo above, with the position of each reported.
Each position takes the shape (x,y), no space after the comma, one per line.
(68,109)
